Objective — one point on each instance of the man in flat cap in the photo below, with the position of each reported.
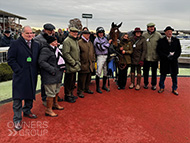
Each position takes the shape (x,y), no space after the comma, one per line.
(41,39)
(151,58)
(169,50)
(71,54)
(87,59)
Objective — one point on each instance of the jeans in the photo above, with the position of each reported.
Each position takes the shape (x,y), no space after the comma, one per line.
(174,81)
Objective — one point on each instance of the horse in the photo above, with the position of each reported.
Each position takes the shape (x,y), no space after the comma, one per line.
(115,35)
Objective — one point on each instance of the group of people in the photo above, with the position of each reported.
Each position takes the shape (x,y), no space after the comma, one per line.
(28,56)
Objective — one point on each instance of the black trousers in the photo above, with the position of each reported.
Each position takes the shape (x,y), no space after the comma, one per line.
(43,94)
(146,68)
(83,81)
(17,109)
(69,83)
(122,78)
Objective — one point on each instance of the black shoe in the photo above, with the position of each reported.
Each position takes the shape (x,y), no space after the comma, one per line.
(32,116)
(161,90)
(60,99)
(75,97)
(98,90)
(145,86)
(105,88)
(18,126)
(88,91)
(175,92)
(80,95)
(119,88)
(70,99)
(153,87)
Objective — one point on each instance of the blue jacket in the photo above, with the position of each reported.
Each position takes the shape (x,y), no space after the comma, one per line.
(23,62)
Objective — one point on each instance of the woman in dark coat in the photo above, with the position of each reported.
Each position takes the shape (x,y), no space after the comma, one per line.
(52,66)
(125,49)
(169,50)
(138,55)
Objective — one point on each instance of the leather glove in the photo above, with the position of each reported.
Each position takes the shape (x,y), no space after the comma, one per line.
(141,63)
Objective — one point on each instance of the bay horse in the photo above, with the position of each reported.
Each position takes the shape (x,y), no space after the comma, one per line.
(115,33)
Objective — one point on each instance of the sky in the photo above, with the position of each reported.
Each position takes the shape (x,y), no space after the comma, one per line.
(133,13)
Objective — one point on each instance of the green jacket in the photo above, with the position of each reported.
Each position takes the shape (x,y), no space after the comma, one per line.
(152,40)
(71,54)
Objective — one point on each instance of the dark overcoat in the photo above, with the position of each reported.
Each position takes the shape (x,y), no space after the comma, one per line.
(24,63)
(167,65)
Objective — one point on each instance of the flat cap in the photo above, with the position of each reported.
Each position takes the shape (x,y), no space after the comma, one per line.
(85,32)
(150,24)
(168,28)
(74,29)
(49,27)
(7,31)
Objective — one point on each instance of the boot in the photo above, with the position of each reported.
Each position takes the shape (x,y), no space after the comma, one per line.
(104,84)
(138,82)
(49,111)
(132,81)
(56,106)
(98,84)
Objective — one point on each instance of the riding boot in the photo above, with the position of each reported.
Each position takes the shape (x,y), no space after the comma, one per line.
(98,84)
(56,106)
(104,84)
(138,82)
(49,111)
(132,81)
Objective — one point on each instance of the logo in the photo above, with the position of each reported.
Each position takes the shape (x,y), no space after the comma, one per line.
(31,128)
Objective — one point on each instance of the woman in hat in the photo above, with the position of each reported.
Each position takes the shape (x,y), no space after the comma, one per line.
(137,58)
(52,66)
(125,49)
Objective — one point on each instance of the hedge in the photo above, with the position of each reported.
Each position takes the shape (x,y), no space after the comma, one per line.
(6,72)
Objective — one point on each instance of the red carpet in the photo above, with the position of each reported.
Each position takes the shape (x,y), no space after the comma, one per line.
(119,116)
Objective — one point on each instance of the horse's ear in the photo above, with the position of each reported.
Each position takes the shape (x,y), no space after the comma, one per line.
(119,25)
(112,25)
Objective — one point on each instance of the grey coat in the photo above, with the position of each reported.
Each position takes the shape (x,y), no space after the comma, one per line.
(50,72)
(40,39)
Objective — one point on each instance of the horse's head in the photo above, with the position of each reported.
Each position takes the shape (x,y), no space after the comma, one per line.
(114,33)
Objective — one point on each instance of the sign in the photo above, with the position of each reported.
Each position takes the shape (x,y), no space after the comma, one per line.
(86,15)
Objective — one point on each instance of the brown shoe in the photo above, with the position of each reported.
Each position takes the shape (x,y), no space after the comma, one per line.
(56,106)
(160,90)
(138,87)
(49,111)
(132,86)
(175,92)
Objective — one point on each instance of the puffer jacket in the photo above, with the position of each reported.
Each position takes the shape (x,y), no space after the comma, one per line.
(49,70)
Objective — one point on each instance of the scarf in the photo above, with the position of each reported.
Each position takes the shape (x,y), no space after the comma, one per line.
(59,57)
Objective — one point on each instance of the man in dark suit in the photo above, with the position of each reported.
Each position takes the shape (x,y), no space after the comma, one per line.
(23,58)
(169,50)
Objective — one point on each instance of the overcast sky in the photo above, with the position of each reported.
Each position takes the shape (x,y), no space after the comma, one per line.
(132,13)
